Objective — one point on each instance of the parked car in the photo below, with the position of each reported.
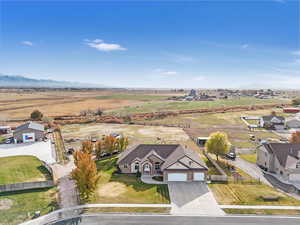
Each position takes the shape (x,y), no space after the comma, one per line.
(94,139)
(252,137)
(115,152)
(103,155)
(231,155)
(9,140)
(70,151)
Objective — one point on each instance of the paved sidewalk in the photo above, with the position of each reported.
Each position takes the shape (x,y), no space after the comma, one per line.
(193,198)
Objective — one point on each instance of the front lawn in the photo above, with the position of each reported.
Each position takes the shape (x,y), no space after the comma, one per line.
(15,206)
(123,188)
(249,157)
(17,169)
(248,194)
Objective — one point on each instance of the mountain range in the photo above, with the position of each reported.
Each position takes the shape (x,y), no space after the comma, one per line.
(22,81)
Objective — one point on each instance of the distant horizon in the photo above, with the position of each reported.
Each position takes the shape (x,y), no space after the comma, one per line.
(129,88)
(161,44)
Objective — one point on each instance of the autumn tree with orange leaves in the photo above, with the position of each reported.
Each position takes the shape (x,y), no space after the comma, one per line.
(87,146)
(85,174)
(295,137)
(110,144)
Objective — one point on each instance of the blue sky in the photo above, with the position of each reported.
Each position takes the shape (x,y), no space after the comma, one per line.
(161,44)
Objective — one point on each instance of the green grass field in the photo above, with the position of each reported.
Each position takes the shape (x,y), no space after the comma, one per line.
(17,169)
(138,97)
(17,205)
(122,188)
(157,106)
(262,211)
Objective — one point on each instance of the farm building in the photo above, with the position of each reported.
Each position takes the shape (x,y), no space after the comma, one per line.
(291,110)
(5,129)
(29,132)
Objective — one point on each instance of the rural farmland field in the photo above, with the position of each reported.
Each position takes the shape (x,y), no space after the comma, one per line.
(19,104)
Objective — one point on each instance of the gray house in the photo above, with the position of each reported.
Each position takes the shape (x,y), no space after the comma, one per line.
(282,159)
(272,122)
(171,161)
(29,132)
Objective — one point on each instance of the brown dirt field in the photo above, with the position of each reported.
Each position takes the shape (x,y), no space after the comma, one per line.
(57,107)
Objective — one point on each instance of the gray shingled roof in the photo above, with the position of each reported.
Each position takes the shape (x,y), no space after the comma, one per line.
(282,151)
(30,125)
(140,151)
(171,153)
(269,118)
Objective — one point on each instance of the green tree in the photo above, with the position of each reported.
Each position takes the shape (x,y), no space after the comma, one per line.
(85,174)
(217,144)
(296,101)
(36,115)
(122,143)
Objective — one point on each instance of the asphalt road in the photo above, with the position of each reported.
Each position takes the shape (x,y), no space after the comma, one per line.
(175,220)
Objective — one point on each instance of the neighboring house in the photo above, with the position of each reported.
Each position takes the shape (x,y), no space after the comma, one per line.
(29,132)
(293,122)
(280,158)
(272,122)
(5,129)
(172,161)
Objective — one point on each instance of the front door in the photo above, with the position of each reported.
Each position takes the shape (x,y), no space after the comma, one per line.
(147,169)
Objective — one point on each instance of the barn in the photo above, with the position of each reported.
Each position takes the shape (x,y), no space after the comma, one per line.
(29,132)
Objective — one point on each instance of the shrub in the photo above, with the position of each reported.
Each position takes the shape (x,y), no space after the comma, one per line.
(36,115)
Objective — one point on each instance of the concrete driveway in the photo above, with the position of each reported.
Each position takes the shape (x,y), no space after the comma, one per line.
(42,150)
(193,198)
(252,169)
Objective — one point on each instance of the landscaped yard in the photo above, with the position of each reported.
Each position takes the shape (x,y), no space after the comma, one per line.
(249,157)
(248,194)
(15,206)
(17,169)
(122,188)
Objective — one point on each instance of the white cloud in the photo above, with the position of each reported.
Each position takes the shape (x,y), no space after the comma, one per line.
(164,72)
(244,46)
(179,58)
(102,46)
(27,43)
(169,73)
(296,53)
(199,78)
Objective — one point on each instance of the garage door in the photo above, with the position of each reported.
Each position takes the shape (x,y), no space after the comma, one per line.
(177,177)
(294,177)
(199,176)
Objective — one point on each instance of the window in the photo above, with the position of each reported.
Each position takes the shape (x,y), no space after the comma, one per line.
(125,166)
(136,166)
(157,166)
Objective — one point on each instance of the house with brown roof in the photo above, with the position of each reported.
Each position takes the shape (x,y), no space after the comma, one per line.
(283,159)
(172,161)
